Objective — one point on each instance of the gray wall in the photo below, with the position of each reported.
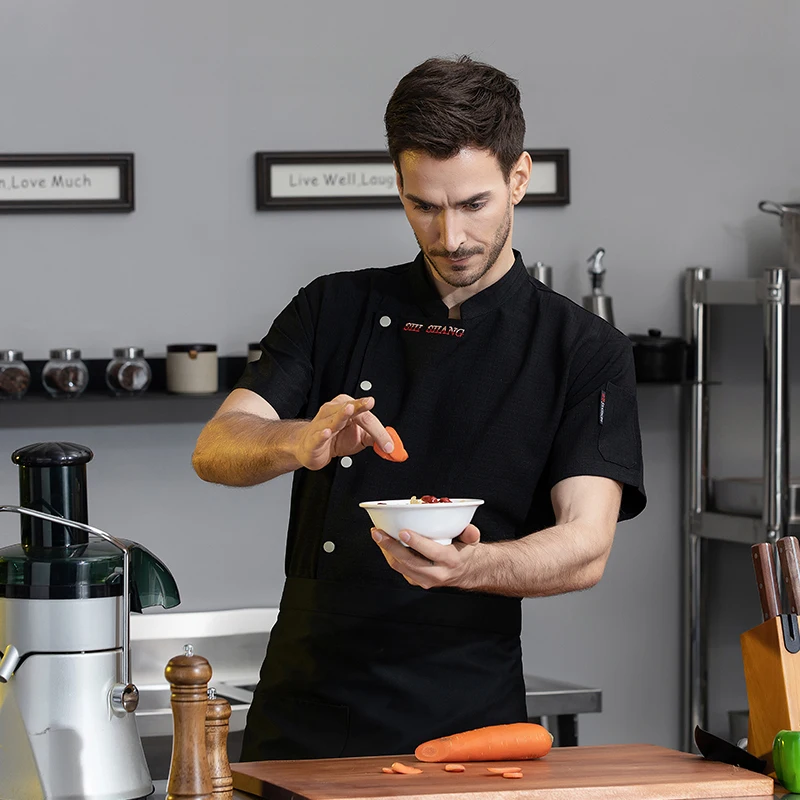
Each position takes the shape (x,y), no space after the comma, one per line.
(679,118)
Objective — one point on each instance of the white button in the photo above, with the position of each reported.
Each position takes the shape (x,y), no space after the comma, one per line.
(386,321)
(346,461)
(365,385)
(329,547)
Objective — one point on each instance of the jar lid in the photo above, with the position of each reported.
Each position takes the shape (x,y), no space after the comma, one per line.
(653,338)
(185,348)
(128,352)
(65,352)
(10,355)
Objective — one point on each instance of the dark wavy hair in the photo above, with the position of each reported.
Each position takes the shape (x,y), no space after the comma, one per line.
(444,105)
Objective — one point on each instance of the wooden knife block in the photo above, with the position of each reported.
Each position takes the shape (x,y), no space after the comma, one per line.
(772,675)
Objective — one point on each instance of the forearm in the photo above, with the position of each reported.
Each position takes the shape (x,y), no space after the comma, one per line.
(553,561)
(240,449)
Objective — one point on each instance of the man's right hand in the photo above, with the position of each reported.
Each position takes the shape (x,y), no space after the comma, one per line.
(342,427)
(247,443)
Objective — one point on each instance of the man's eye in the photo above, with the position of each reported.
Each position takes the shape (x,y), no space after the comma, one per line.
(476,206)
(422,207)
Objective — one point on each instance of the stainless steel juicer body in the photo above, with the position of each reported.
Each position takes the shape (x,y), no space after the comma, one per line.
(67,727)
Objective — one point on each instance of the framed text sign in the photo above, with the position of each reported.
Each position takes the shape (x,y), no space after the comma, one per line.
(367,178)
(31,182)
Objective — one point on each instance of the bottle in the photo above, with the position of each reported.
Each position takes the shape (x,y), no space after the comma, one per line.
(598,302)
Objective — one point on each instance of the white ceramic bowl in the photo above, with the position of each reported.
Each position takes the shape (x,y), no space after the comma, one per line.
(441,522)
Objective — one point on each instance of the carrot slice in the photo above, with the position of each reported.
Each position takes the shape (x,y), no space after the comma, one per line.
(403,769)
(502,770)
(512,774)
(399,453)
(387,770)
(513,742)
(454,768)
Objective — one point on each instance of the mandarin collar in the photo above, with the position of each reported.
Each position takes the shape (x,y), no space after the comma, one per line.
(429,300)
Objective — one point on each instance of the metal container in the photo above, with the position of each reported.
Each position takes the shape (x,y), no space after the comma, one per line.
(253,351)
(789,214)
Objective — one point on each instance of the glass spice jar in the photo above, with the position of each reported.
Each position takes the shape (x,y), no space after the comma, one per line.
(65,375)
(15,377)
(128,374)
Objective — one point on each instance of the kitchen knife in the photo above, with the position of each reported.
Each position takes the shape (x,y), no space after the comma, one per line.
(716,749)
(764,565)
(789,555)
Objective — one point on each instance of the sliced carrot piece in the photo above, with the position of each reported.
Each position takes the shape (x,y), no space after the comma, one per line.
(512,774)
(403,769)
(387,770)
(454,768)
(398,454)
(501,770)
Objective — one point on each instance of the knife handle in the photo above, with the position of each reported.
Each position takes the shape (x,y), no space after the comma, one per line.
(767,579)
(789,555)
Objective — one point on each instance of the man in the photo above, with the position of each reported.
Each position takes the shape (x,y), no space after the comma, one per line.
(500,389)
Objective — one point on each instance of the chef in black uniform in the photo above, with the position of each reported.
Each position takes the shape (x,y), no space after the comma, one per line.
(500,389)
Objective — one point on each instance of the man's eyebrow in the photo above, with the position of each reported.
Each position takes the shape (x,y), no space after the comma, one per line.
(474,199)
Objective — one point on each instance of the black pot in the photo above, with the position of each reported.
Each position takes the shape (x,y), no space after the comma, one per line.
(657,358)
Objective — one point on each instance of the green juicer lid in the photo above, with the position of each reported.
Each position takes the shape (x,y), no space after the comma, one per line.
(87,571)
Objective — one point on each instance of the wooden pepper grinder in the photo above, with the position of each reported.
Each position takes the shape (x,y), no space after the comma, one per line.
(217,715)
(189,774)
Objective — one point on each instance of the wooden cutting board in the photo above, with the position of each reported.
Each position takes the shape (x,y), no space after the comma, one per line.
(609,772)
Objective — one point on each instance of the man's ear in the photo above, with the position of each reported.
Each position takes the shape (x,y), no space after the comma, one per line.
(520,177)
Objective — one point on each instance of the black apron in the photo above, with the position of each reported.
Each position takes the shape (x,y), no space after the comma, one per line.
(355,670)
(360,662)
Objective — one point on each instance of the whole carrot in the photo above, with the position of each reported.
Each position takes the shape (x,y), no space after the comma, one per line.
(398,454)
(513,742)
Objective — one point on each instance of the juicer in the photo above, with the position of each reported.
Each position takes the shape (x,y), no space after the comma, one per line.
(67,722)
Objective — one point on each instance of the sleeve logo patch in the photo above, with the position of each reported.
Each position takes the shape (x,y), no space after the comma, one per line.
(602,405)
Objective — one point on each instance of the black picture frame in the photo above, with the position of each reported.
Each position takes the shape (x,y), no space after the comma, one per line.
(12,165)
(379,164)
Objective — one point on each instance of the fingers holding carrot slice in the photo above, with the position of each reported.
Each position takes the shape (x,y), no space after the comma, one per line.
(399,453)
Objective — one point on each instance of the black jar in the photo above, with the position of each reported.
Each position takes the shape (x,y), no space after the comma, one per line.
(657,358)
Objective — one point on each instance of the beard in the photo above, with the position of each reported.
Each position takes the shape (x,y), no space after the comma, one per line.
(458,275)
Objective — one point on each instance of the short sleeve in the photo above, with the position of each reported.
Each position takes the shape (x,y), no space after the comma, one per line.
(283,375)
(599,429)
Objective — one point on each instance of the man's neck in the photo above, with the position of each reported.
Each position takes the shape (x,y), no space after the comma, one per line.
(454,296)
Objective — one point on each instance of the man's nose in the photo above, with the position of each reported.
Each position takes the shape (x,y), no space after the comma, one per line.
(451,232)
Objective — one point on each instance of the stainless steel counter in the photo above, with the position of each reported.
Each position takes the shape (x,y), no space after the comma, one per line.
(234,643)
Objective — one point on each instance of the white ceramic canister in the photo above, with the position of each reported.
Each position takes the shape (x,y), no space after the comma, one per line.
(253,351)
(192,369)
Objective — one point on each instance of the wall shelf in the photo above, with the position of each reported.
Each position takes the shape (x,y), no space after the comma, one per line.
(98,406)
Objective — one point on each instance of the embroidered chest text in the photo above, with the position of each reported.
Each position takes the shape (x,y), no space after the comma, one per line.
(442,330)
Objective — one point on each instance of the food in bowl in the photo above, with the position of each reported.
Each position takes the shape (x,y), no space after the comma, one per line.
(440,519)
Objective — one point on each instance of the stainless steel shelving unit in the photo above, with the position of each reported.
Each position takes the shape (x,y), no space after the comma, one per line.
(775,292)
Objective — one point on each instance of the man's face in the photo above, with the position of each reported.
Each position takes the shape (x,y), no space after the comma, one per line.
(460,211)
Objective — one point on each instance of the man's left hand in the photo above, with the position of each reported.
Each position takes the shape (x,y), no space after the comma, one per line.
(426,563)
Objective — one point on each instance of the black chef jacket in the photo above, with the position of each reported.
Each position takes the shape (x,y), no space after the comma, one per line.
(525,389)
